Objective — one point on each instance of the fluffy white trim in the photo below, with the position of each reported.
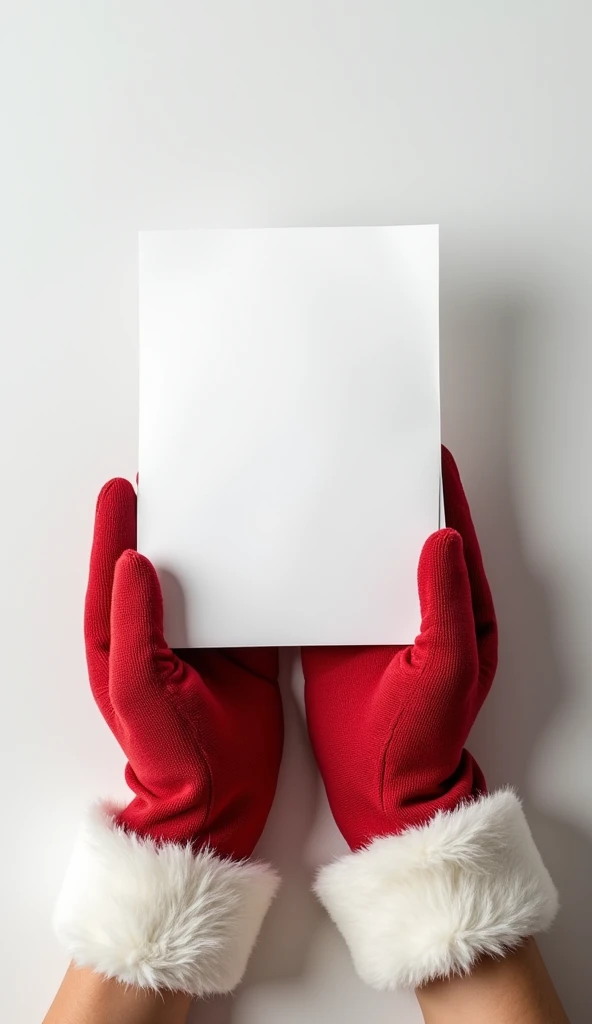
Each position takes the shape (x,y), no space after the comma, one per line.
(160,916)
(428,902)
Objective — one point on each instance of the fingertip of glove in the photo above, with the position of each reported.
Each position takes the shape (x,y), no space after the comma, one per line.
(115,491)
(132,563)
(449,466)
(443,553)
(445,542)
(136,571)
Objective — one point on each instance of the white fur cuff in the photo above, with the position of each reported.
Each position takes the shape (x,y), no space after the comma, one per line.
(160,916)
(428,902)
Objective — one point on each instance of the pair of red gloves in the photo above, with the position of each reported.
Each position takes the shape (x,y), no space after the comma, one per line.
(162,893)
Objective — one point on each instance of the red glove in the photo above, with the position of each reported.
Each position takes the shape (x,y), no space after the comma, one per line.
(159,894)
(456,873)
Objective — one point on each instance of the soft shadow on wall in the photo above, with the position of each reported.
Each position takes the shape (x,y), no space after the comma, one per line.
(482,357)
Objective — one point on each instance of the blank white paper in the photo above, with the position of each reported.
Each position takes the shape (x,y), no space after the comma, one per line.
(289,460)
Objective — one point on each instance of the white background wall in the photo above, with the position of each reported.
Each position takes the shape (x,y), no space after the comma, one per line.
(162,113)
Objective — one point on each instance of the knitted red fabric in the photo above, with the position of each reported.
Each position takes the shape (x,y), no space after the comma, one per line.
(202,730)
(388,724)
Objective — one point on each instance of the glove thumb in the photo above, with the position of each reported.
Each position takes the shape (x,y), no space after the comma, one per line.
(447,623)
(139,653)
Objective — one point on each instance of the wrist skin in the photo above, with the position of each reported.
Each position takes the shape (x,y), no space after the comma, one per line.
(85,997)
(515,989)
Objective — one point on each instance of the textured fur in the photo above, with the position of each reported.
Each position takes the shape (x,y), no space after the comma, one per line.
(160,916)
(428,902)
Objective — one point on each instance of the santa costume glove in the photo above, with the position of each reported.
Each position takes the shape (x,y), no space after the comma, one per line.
(440,872)
(162,894)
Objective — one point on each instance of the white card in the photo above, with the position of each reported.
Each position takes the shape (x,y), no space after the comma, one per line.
(289,431)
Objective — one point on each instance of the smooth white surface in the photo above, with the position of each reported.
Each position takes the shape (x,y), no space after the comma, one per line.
(289,431)
(117,116)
